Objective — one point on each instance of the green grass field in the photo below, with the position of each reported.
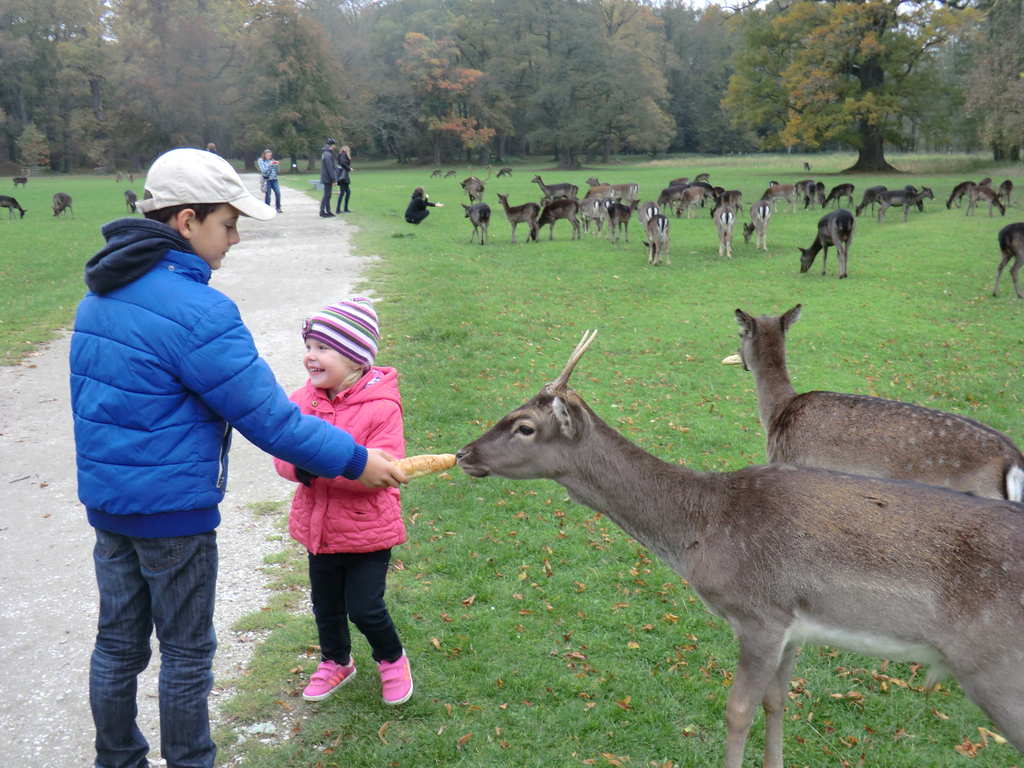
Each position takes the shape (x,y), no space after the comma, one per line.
(539,633)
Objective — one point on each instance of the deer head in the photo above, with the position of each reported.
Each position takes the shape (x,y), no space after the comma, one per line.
(533,440)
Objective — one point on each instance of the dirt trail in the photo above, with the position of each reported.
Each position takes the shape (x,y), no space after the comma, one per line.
(278,274)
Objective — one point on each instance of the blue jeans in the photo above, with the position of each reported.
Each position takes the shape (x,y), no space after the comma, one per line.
(169,584)
(272,184)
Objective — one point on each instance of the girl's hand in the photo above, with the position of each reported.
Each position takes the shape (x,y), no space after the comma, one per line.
(380,470)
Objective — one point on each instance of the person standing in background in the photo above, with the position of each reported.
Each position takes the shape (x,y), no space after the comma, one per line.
(328,175)
(268,170)
(344,170)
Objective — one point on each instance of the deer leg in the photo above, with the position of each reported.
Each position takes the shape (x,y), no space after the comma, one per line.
(774,705)
(759,663)
(842,252)
(999,273)
(1014,270)
(514,224)
(824,259)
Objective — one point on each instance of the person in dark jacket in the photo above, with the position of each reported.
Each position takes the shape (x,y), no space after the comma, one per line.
(344,172)
(328,175)
(162,371)
(418,204)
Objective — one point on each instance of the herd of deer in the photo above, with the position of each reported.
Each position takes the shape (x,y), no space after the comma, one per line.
(613,205)
(878,526)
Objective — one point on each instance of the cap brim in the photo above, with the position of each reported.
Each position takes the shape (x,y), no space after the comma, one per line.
(249,206)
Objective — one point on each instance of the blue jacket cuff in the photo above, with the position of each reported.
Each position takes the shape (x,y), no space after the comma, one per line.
(356,464)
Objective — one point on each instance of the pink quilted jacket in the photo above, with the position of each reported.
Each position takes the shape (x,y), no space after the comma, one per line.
(339,515)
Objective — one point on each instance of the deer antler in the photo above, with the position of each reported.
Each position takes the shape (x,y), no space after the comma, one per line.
(563,378)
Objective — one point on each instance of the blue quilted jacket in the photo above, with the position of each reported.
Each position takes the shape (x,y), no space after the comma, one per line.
(162,368)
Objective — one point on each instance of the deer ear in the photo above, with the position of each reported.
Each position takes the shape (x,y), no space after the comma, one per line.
(790,317)
(746,321)
(565,423)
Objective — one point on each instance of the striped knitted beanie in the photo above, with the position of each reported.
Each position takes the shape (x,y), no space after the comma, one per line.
(349,326)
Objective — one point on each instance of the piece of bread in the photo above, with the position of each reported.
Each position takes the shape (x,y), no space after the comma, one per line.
(424,464)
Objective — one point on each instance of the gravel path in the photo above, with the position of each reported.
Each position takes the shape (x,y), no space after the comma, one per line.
(278,274)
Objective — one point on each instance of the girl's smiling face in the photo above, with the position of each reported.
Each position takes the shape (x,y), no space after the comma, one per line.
(328,369)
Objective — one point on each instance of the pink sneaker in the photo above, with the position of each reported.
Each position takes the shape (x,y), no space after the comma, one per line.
(395,680)
(329,676)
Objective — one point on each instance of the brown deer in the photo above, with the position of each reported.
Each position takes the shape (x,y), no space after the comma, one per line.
(657,242)
(956,196)
(479,215)
(792,556)
(760,215)
(838,192)
(551,192)
(905,198)
(23,180)
(646,210)
(725,220)
(618,218)
(62,203)
(777,191)
(985,193)
(130,199)
(12,205)
(560,209)
(527,213)
(593,211)
(1005,190)
(474,188)
(620,193)
(449,173)
(869,435)
(872,195)
(436,173)
(506,171)
(835,228)
(1011,245)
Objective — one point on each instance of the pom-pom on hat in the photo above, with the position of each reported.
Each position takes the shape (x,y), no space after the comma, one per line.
(349,326)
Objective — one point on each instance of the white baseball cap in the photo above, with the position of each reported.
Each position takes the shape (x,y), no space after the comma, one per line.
(186,175)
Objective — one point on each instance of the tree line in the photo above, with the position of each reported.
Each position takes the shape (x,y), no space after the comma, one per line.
(111,83)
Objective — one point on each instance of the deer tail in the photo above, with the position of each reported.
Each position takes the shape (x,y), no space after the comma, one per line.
(1015,483)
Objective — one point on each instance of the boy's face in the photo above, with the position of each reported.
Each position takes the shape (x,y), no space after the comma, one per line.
(212,237)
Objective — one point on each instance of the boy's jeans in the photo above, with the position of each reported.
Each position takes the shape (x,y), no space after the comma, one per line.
(168,583)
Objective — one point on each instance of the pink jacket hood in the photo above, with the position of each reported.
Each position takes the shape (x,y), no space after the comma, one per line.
(339,515)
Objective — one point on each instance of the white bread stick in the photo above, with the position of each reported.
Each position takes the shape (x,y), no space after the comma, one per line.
(425,464)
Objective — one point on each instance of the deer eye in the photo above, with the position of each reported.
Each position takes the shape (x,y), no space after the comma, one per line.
(524,429)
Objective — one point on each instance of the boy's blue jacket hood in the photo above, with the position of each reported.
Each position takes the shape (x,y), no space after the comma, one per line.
(134,246)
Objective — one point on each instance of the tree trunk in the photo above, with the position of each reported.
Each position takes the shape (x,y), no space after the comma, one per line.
(871,152)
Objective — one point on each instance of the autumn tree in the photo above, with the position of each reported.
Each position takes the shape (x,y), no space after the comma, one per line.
(815,73)
(996,81)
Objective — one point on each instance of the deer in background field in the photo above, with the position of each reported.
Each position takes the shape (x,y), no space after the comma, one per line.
(646,211)
(12,205)
(1005,190)
(869,435)
(560,209)
(725,220)
(986,193)
(436,173)
(23,180)
(527,213)
(838,192)
(836,229)
(956,196)
(760,215)
(593,211)
(555,191)
(871,196)
(618,218)
(506,171)
(449,173)
(778,191)
(791,556)
(130,199)
(474,188)
(479,215)
(657,242)
(62,203)
(905,198)
(1011,246)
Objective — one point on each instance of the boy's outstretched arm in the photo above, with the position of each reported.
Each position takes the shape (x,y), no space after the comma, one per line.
(380,470)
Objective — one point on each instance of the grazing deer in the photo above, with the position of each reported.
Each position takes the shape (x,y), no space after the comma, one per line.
(805,189)
(871,196)
(593,211)
(618,218)
(479,215)
(869,435)
(506,171)
(449,173)
(760,214)
(130,199)
(527,213)
(1005,190)
(11,204)
(657,242)
(1011,245)
(702,178)
(671,197)
(23,180)
(560,209)
(725,219)
(646,210)
(117,178)
(979,192)
(792,555)
(730,197)
(690,198)
(682,181)
(835,228)
(838,192)
(474,188)
(620,193)
(807,167)
(61,203)
(778,191)
(436,173)
(905,198)
(555,191)
(956,196)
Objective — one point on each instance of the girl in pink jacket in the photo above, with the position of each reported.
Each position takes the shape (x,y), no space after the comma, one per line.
(347,528)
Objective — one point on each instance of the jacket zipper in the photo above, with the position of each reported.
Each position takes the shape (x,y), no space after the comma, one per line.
(222,459)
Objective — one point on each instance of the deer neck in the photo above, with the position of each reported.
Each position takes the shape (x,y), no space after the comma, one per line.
(774,390)
(663,506)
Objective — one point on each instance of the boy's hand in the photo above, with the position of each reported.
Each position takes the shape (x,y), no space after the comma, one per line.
(380,470)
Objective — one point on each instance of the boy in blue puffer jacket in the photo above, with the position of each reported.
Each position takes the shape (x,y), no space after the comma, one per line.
(162,369)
